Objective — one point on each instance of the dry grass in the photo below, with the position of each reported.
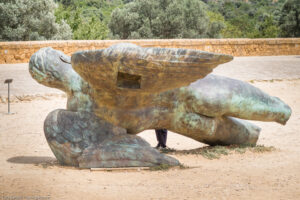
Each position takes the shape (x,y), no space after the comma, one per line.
(215,152)
(165,167)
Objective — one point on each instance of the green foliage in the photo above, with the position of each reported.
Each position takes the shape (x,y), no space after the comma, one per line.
(87,19)
(163,19)
(267,27)
(211,19)
(253,19)
(289,21)
(30,20)
(128,19)
(217,24)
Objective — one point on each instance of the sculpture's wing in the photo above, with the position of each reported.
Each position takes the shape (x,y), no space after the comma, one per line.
(132,68)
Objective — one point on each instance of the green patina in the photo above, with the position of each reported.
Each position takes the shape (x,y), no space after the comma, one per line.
(127,89)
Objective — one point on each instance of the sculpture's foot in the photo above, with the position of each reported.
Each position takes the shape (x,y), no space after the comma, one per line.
(84,140)
(216,131)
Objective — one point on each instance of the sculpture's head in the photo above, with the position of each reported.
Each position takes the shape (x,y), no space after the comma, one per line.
(50,67)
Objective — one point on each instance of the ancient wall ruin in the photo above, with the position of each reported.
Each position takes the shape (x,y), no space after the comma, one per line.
(20,52)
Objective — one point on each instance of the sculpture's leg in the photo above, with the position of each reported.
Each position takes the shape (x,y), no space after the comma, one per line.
(215,131)
(84,140)
(216,96)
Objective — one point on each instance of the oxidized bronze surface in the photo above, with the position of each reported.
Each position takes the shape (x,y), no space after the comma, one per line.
(126,89)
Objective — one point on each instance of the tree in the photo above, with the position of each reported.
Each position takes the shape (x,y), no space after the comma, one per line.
(30,20)
(251,19)
(217,24)
(267,26)
(163,19)
(88,19)
(91,29)
(289,21)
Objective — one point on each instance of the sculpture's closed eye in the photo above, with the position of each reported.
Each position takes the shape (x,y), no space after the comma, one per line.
(65,59)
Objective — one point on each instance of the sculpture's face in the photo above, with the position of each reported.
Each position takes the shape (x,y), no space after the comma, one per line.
(49,66)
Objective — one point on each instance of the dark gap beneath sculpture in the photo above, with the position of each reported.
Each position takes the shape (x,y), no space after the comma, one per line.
(131,81)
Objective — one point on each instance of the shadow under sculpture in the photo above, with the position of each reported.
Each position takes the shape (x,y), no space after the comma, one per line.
(117,92)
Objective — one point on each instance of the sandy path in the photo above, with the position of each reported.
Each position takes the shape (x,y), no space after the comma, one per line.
(25,158)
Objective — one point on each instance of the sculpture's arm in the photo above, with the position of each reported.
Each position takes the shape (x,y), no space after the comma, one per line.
(216,96)
(214,130)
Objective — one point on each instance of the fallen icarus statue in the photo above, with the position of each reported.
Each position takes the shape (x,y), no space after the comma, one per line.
(117,92)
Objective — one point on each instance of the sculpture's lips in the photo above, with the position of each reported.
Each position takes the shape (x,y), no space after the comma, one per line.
(147,69)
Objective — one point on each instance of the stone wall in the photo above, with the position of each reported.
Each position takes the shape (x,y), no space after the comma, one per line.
(20,52)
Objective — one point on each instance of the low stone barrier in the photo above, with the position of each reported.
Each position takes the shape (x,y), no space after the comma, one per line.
(20,52)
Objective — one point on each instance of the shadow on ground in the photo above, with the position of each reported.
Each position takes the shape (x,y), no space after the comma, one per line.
(34,160)
(209,152)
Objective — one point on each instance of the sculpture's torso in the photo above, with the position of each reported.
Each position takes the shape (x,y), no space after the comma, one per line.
(127,89)
(120,94)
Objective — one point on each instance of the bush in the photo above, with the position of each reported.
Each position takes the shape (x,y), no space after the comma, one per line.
(163,19)
(31,20)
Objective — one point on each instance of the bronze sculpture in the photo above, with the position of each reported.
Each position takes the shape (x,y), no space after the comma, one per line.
(117,92)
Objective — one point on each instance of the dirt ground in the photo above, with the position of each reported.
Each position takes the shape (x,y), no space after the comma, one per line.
(28,169)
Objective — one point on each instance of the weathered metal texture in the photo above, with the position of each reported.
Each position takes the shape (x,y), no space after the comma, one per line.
(155,69)
(83,139)
(52,68)
(142,93)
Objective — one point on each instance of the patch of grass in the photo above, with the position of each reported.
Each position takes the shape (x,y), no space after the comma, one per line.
(209,152)
(163,167)
(262,149)
(215,152)
(167,150)
(44,165)
(182,166)
(240,150)
(253,148)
